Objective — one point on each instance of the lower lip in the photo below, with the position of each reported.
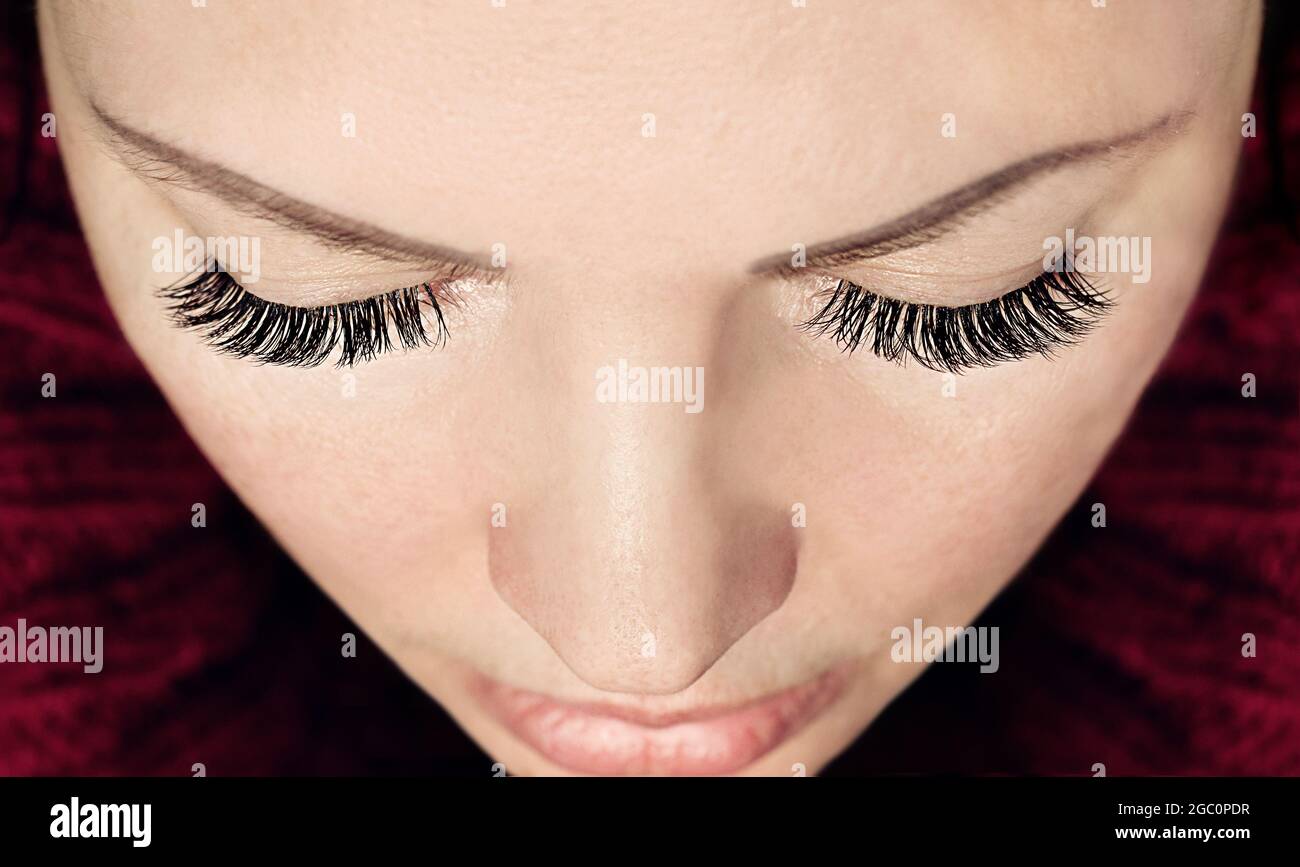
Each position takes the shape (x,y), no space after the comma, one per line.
(593,739)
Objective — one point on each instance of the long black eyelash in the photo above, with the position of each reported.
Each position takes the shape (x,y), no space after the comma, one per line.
(1056,309)
(236,322)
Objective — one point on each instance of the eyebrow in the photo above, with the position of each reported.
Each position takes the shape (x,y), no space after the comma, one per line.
(157,160)
(941,216)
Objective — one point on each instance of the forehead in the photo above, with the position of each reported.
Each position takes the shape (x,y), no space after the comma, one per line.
(726,124)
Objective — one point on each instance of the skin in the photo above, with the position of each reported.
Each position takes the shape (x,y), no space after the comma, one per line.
(774,126)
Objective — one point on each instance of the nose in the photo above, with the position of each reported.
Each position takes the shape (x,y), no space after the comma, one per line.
(636,564)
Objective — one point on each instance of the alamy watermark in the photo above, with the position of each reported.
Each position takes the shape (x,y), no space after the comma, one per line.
(1099,255)
(920,643)
(627,383)
(190,254)
(77,820)
(81,644)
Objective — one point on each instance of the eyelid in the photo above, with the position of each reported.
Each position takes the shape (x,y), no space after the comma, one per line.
(945,289)
(450,282)
(299,270)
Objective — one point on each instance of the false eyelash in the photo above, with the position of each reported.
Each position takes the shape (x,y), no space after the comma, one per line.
(234,321)
(1057,308)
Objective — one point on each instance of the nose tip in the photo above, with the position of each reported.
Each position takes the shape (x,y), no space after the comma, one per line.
(651,664)
(655,622)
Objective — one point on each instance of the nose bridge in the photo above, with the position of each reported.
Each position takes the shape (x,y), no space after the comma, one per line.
(636,566)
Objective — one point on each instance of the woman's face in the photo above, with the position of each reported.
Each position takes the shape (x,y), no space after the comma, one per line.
(588,578)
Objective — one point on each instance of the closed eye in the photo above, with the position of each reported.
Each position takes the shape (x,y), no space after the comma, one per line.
(1055,309)
(233,321)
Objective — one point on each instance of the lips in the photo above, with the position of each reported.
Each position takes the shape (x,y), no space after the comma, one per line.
(607,739)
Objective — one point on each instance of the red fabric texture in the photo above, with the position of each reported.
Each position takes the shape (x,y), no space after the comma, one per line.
(221,652)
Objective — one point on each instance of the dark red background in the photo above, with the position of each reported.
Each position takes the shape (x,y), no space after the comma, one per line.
(1127,638)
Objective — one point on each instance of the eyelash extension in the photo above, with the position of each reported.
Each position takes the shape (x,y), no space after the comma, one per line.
(235,322)
(1056,309)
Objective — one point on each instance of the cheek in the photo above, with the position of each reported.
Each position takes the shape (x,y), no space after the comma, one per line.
(361,474)
(350,470)
(925,493)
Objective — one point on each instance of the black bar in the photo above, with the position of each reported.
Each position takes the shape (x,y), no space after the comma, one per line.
(239,816)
